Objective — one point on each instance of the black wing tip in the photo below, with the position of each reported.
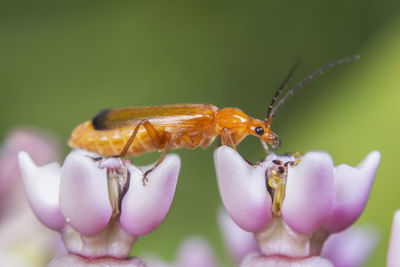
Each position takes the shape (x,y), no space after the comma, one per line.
(99,121)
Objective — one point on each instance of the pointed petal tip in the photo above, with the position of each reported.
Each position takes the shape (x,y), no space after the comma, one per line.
(371,161)
(25,161)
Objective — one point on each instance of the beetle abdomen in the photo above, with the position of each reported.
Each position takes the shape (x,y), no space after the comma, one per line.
(111,142)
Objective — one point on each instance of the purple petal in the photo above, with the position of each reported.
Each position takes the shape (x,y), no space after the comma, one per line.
(352,188)
(239,242)
(243,190)
(42,188)
(196,252)
(393,256)
(84,194)
(351,247)
(145,207)
(309,193)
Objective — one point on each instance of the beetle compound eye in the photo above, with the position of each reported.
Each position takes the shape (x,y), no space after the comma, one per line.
(259,131)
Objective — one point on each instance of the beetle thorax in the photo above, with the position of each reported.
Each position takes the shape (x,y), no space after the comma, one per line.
(232,119)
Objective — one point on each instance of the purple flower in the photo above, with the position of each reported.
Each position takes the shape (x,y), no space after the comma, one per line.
(292,203)
(99,206)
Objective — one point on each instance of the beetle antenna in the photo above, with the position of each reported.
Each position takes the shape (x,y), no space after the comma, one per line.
(309,78)
(283,86)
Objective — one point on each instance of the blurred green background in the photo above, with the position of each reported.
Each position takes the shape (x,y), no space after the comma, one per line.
(62,61)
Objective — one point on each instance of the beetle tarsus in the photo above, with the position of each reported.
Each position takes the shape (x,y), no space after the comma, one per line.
(145,179)
(254,164)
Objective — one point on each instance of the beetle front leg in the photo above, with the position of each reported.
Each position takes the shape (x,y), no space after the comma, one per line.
(265,146)
(228,139)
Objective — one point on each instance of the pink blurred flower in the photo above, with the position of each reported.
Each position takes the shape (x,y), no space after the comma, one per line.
(24,241)
(351,247)
(195,251)
(291,203)
(99,205)
(41,146)
(238,242)
(393,256)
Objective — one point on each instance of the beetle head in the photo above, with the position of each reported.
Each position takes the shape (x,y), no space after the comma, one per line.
(262,129)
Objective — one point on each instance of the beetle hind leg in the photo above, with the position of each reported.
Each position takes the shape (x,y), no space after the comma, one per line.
(155,138)
(160,160)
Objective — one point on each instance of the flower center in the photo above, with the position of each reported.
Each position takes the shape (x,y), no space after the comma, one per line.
(277,178)
(118,183)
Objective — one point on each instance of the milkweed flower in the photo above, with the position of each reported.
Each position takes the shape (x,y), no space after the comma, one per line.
(349,248)
(293,203)
(99,205)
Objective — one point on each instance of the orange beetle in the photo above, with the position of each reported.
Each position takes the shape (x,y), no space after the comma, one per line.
(136,130)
